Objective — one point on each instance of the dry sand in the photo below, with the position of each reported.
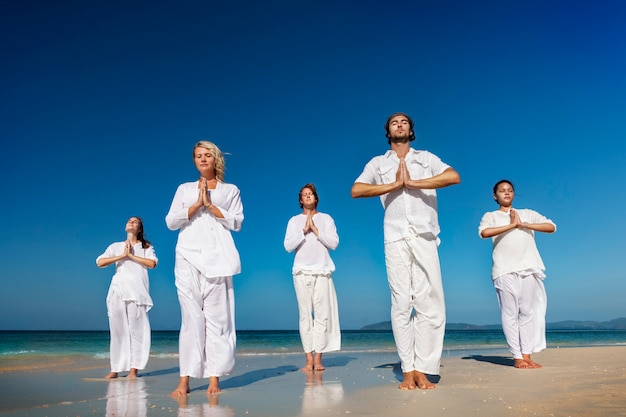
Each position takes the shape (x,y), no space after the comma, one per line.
(577,382)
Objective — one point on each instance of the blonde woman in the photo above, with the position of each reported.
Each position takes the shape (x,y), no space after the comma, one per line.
(205,212)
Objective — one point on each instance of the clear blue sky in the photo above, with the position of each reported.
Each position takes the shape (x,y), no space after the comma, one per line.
(102,101)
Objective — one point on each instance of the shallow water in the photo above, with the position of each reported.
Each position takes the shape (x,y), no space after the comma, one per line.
(95,344)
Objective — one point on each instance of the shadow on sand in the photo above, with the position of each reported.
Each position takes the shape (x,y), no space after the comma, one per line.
(496,360)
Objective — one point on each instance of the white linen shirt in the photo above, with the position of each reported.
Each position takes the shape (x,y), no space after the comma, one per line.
(311,250)
(514,250)
(406,210)
(206,241)
(131,278)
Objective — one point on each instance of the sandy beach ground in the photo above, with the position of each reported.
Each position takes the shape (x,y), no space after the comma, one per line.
(573,382)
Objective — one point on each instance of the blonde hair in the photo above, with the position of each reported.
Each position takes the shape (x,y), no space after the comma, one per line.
(220,164)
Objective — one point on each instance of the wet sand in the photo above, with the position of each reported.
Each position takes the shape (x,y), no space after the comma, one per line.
(573,382)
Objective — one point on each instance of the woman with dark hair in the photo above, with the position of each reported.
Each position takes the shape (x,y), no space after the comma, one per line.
(206,212)
(518,273)
(311,234)
(128,300)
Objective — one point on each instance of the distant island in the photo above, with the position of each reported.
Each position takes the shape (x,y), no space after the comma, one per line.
(616,324)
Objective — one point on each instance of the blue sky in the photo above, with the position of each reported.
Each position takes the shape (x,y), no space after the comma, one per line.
(103,101)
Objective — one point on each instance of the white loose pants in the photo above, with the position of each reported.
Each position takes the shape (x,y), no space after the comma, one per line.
(523,304)
(319,314)
(130,334)
(418,314)
(207,337)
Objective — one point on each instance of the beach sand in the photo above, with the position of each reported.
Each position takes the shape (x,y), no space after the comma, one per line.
(573,382)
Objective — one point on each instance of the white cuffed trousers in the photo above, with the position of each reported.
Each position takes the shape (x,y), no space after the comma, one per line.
(418,313)
(523,303)
(319,314)
(207,339)
(130,334)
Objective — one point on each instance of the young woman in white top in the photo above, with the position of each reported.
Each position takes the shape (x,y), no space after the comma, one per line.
(205,212)
(128,299)
(311,234)
(518,273)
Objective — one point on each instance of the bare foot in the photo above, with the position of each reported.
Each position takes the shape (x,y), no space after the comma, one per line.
(214,386)
(111,375)
(531,364)
(520,364)
(317,363)
(309,362)
(182,389)
(421,381)
(409,381)
(132,374)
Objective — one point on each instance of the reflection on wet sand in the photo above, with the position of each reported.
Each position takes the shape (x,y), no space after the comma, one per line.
(126,397)
(210,409)
(318,395)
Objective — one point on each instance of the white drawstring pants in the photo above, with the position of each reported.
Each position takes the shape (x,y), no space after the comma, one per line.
(207,337)
(418,314)
(523,304)
(319,315)
(130,334)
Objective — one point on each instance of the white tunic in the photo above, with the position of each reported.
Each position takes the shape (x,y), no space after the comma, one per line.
(311,250)
(515,250)
(205,241)
(131,278)
(406,209)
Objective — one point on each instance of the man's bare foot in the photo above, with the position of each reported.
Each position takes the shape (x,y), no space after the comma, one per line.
(317,363)
(409,381)
(214,386)
(309,362)
(111,375)
(132,374)
(421,381)
(520,364)
(182,389)
(531,364)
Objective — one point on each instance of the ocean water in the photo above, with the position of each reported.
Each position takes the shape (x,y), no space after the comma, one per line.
(95,344)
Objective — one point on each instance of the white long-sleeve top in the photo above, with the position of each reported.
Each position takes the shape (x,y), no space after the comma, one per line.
(406,209)
(130,278)
(206,241)
(312,252)
(514,250)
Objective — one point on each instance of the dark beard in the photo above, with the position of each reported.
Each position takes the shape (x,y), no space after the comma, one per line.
(403,139)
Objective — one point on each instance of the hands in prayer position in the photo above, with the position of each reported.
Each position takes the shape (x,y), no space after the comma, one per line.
(309,226)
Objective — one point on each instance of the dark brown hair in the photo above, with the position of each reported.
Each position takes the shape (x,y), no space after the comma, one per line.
(502,181)
(145,243)
(411,124)
(311,187)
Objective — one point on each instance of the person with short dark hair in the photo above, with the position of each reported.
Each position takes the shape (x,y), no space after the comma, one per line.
(518,273)
(405,179)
